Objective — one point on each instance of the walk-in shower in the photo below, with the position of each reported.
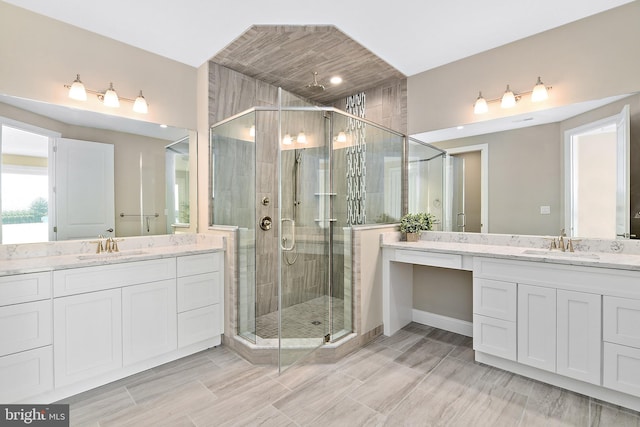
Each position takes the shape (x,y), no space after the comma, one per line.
(293,180)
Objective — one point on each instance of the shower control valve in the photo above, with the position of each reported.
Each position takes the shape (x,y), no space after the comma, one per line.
(265,223)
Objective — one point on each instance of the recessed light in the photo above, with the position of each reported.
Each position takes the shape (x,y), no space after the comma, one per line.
(336,80)
(163,126)
(460,127)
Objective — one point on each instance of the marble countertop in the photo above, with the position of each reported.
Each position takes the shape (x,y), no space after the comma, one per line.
(535,253)
(86,256)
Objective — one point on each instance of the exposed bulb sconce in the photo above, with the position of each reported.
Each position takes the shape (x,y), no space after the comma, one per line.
(509,99)
(287,140)
(342,137)
(109,97)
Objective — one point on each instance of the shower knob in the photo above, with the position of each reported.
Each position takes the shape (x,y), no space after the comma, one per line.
(265,223)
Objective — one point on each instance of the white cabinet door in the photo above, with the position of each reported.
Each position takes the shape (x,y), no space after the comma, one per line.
(579,335)
(87,332)
(25,375)
(495,299)
(25,326)
(621,368)
(149,320)
(494,336)
(537,327)
(621,321)
(199,325)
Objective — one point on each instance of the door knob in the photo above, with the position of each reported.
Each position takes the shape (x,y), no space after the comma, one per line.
(265,223)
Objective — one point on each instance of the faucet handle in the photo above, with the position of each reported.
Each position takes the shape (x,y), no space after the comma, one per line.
(570,244)
(553,244)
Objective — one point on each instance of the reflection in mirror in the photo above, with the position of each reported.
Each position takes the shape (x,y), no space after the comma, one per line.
(177,162)
(27,174)
(525,165)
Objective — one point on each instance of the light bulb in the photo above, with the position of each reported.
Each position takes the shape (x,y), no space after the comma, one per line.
(77,90)
(480,106)
(302,138)
(539,92)
(140,105)
(287,140)
(111,97)
(252,131)
(342,137)
(508,99)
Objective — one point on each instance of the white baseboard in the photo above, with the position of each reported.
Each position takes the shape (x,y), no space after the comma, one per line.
(450,324)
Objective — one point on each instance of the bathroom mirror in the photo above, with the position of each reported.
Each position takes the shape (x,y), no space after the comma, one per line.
(139,167)
(525,168)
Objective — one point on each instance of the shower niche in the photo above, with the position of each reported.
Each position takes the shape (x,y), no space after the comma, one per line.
(292,182)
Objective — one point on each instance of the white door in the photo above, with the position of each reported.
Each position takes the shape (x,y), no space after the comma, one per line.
(149,320)
(579,335)
(87,330)
(84,189)
(623,135)
(537,327)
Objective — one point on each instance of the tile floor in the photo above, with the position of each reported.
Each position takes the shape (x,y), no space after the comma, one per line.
(420,376)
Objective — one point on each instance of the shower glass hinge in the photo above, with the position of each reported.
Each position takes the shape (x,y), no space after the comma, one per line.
(327,338)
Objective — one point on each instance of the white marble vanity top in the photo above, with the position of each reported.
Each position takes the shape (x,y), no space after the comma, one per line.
(618,254)
(37,257)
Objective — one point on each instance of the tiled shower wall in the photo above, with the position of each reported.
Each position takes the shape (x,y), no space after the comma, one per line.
(230,93)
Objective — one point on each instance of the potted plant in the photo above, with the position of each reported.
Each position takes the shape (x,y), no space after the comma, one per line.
(413,224)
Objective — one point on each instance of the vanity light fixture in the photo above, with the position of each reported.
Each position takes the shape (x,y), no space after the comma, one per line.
(342,137)
(302,138)
(252,131)
(287,140)
(109,97)
(509,99)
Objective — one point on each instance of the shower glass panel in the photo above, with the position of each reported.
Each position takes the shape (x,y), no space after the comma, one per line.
(425,173)
(233,202)
(304,233)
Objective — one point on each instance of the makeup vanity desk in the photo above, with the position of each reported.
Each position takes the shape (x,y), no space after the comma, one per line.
(568,319)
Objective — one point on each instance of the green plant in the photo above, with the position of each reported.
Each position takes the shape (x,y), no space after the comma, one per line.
(417,222)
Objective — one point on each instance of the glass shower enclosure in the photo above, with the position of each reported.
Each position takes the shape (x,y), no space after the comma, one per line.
(293,181)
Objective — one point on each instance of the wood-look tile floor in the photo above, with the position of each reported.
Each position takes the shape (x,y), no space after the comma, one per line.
(420,376)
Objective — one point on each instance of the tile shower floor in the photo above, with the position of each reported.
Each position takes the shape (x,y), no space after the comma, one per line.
(305,320)
(420,376)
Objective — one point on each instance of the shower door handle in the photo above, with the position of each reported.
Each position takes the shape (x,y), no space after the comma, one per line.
(283,244)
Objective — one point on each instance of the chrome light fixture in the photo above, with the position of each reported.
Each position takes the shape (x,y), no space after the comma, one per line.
(77,90)
(509,99)
(109,97)
(539,92)
(480,106)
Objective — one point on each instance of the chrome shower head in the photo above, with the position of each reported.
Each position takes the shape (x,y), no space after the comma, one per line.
(315,86)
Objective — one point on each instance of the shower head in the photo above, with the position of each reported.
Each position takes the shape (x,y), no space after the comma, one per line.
(315,86)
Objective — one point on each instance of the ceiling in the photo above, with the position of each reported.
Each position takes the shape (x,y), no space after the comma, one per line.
(412,36)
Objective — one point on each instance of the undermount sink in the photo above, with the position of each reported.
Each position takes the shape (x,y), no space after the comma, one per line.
(557,253)
(111,255)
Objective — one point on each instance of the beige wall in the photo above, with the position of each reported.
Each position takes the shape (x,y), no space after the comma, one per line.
(589,59)
(443,291)
(41,55)
(128,149)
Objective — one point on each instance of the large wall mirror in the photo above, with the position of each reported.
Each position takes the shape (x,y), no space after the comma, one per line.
(71,174)
(522,167)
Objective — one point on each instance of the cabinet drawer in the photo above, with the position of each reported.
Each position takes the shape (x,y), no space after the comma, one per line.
(198,325)
(89,279)
(621,321)
(199,264)
(198,291)
(26,374)
(494,336)
(495,299)
(621,368)
(24,288)
(25,326)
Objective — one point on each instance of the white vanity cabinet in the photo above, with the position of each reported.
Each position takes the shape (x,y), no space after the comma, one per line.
(26,359)
(149,324)
(200,296)
(621,335)
(117,314)
(494,317)
(87,335)
(558,326)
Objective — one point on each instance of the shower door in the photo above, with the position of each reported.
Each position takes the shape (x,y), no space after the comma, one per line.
(304,234)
